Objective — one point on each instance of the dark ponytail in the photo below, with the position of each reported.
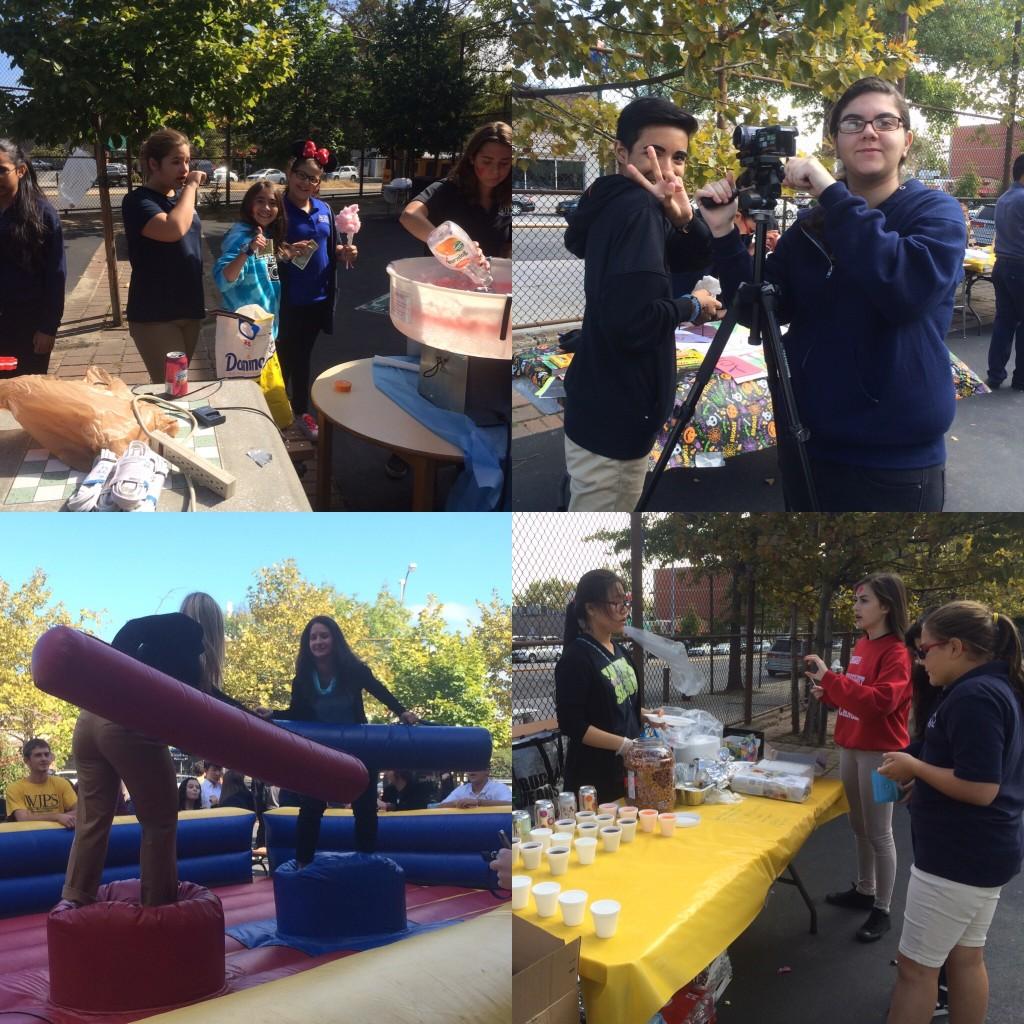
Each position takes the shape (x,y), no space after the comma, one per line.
(985,632)
(592,588)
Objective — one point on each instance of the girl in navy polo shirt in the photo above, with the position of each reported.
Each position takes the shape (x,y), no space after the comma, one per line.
(165,296)
(308,280)
(965,809)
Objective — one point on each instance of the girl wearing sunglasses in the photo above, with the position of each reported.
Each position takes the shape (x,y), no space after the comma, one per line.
(965,808)
(873,698)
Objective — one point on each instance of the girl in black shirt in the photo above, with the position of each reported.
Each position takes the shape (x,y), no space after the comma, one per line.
(596,694)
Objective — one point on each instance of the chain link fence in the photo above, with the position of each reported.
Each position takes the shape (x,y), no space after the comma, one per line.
(747,656)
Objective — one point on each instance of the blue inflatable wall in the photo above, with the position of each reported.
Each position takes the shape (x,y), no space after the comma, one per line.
(214,848)
(433,847)
(423,748)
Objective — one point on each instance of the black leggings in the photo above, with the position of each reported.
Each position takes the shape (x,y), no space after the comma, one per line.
(297,332)
(311,812)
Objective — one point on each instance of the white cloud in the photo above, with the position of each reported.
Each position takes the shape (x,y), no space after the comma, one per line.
(455,614)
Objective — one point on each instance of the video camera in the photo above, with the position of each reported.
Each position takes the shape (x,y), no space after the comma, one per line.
(759,144)
(760,151)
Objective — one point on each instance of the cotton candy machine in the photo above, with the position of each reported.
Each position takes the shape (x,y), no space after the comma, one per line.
(466,334)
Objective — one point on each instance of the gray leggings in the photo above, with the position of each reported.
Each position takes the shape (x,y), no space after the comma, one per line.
(871,824)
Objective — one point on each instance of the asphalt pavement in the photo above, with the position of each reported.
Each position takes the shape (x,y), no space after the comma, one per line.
(831,976)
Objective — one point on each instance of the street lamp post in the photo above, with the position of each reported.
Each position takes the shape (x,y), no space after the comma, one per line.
(405,579)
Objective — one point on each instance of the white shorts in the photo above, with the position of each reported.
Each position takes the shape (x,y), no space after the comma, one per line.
(941,914)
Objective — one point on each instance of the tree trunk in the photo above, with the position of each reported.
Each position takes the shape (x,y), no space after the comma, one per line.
(734,683)
(636,550)
(794,682)
(748,696)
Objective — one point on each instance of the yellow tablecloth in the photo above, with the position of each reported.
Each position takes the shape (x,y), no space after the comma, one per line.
(684,898)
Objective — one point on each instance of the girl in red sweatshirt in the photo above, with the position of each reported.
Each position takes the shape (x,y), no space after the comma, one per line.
(873,699)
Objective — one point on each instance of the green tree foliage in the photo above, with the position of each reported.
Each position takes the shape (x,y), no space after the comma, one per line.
(191,64)
(25,614)
(549,593)
(967,185)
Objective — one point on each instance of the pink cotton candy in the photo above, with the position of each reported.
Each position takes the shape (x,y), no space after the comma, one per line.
(347,220)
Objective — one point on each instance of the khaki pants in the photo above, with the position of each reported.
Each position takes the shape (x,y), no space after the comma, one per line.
(105,754)
(600,484)
(155,339)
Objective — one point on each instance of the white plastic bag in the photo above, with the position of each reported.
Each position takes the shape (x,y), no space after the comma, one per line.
(684,677)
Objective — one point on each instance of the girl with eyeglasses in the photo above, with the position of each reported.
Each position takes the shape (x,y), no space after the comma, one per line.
(866,282)
(308,277)
(965,808)
(596,694)
(873,698)
(32,266)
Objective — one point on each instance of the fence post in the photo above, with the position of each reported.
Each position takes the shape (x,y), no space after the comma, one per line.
(636,554)
(108,223)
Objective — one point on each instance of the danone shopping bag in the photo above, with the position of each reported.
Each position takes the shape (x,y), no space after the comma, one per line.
(244,341)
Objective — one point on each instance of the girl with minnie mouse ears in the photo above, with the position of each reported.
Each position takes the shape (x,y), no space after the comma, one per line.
(308,278)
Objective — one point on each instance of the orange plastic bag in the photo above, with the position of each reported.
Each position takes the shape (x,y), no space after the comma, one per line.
(74,419)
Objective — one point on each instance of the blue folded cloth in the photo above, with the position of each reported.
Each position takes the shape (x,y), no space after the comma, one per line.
(478,487)
(885,790)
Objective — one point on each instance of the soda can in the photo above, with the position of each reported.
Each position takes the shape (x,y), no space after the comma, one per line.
(176,374)
(543,814)
(521,825)
(588,798)
(566,805)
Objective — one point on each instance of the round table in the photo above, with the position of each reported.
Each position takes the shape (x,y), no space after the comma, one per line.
(368,413)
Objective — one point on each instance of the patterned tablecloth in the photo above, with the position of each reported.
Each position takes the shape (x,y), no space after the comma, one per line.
(731,418)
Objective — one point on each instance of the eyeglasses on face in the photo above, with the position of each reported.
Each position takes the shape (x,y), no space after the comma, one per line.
(922,649)
(306,177)
(620,605)
(883,123)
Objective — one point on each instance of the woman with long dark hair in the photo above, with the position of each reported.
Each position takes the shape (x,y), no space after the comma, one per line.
(596,694)
(476,195)
(866,281)
(328,687)
(873,697)
(32,265)
(965,808)
(190,795)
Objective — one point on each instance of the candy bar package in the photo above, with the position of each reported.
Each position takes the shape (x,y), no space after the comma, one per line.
(753,781)
(782,767)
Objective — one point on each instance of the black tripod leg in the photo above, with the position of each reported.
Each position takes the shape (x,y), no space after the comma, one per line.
(689,406)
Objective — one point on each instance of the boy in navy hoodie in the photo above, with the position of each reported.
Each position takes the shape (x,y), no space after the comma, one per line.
(633,228)
(866,283)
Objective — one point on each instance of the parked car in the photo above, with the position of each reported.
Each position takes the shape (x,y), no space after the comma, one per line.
(42,164)
(533,655)
(520,204)
(778,662)
(346,173)
(983,224)
(117,174)
(720,649)
(270,173)
(567,207)
(221,173)
(701,649)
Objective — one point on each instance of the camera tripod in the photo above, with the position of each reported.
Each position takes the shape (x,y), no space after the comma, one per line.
(758,298)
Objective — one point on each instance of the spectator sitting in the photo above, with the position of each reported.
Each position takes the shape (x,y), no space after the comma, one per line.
(41,796)
(190,795)
(403,791)
(235,793)
(479,791)
(211,784)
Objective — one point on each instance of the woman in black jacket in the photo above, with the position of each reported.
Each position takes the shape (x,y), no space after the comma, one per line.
(328,687)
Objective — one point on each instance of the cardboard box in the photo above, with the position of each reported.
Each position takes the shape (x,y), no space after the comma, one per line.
(545,974)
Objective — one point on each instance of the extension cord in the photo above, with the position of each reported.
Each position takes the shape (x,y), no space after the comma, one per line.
(198,469)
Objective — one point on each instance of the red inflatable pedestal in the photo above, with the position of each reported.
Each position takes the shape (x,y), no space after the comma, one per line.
(116,956)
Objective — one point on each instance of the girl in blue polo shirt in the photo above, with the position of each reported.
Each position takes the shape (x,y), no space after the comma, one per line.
(965,808)
(308,280)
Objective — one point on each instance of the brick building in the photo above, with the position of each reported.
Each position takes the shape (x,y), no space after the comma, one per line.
(980,147)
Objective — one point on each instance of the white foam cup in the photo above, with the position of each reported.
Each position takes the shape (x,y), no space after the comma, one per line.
(558,859)
(668,823)
(605,819)
(520,891)
(608,808)
(566,825)
(606,917)
(530,855)
(628,830)
(573,904)
(610,837)
(542,836)
(627,813)
(545,895)
(588,828)
(516,846)
(586,849)
(647,818)
(585,816)
(561,839)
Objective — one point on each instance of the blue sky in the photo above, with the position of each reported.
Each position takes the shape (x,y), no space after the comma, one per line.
(138,564)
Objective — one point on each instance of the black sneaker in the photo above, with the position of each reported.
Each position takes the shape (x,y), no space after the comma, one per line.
(877,924)
(1017,385)
(995,385)
(852,898)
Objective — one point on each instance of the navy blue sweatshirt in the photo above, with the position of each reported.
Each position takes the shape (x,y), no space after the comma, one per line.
(33,298)
(868,295)
(621,383)
(976,731)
